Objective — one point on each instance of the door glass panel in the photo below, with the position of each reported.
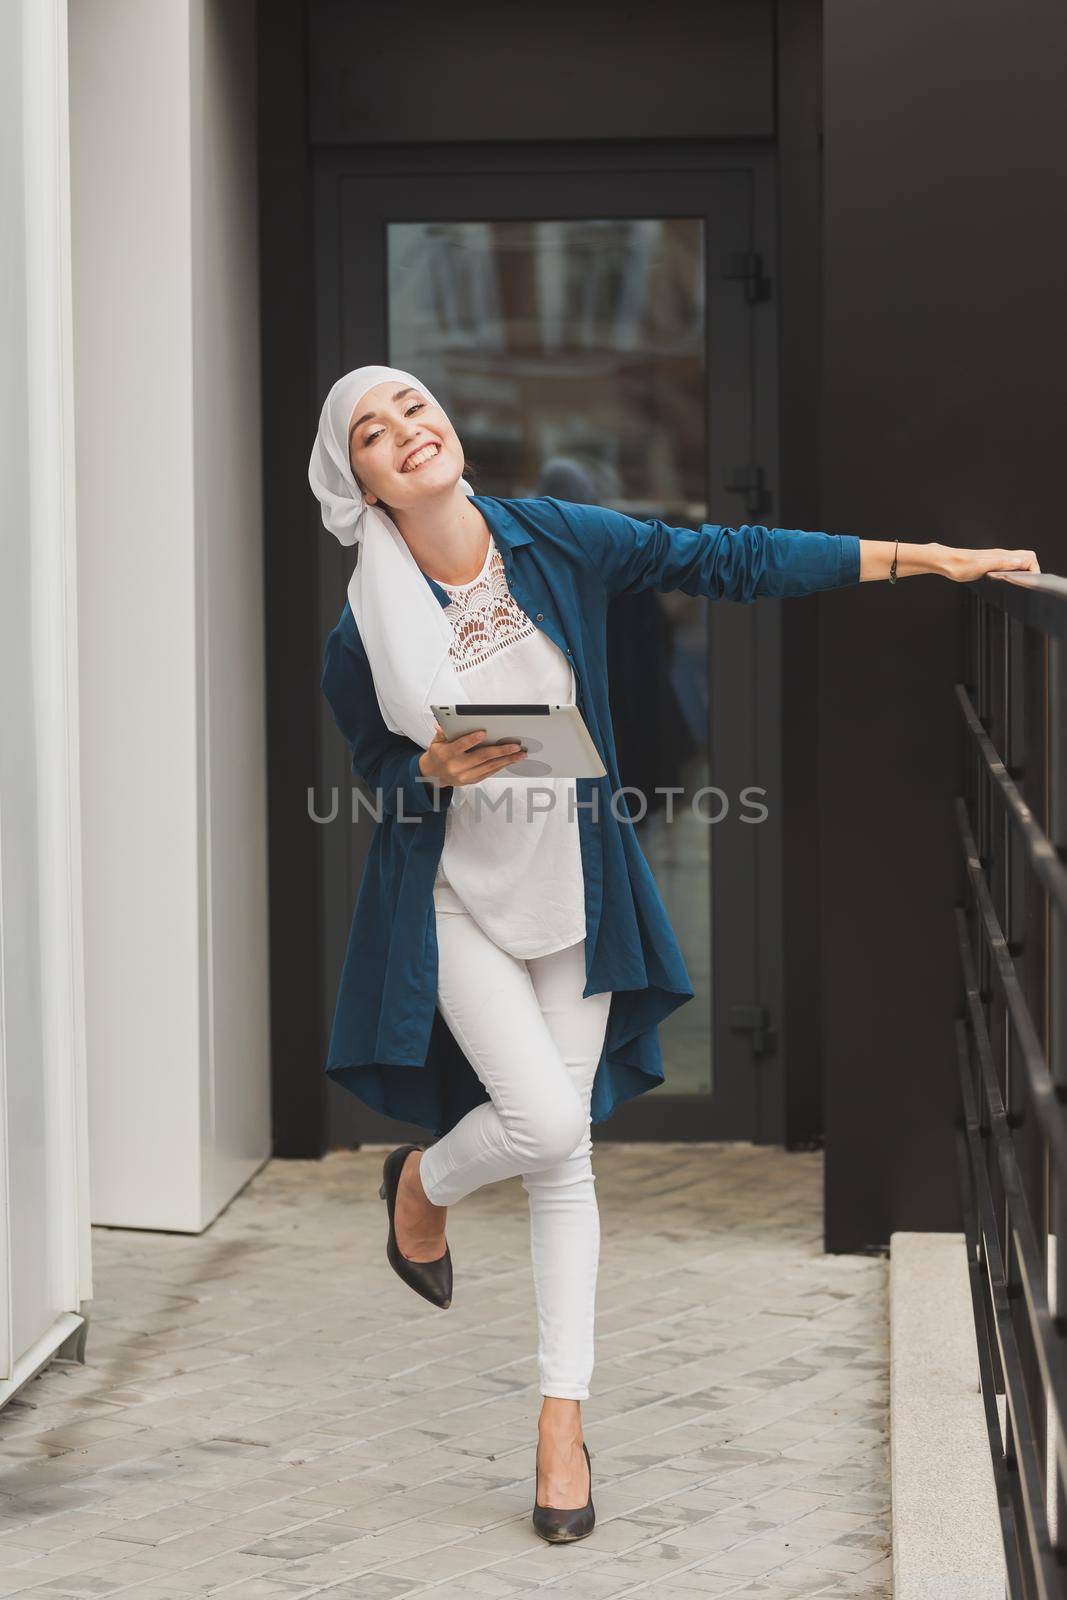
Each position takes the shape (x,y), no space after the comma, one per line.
(570,356)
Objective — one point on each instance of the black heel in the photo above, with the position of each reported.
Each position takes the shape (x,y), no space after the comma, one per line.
(431,1279)
(563,1526)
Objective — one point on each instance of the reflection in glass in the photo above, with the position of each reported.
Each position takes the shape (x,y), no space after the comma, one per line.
(570,356)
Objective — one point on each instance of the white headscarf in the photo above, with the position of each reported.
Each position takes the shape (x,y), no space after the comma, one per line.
(402,624)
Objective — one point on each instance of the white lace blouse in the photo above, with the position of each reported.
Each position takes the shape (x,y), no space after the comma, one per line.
(512,854)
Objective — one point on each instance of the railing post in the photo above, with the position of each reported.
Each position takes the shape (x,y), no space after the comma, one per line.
(1056,712)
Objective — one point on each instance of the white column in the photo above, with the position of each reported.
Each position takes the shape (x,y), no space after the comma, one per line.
(45,1271)
(170,587)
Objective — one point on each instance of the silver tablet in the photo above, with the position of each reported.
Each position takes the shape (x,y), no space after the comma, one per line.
(557,741)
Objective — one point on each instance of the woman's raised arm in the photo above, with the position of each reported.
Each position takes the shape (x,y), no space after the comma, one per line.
(631,554)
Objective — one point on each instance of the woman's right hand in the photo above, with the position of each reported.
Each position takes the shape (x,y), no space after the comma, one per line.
(462,760)
(964,566)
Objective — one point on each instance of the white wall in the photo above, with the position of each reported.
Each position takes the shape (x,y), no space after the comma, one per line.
(235,1080)
(45,1273)
(170,588)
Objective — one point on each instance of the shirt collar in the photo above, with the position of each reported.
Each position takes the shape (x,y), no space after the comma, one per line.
(502,520)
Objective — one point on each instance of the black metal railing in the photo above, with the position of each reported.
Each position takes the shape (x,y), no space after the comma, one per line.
(1011,1032)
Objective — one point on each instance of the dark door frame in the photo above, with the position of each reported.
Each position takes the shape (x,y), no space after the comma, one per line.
(357,196)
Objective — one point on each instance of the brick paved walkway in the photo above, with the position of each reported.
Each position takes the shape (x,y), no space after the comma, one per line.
(267,1410)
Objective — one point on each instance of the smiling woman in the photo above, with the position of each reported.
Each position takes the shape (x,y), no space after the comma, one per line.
(514,1011)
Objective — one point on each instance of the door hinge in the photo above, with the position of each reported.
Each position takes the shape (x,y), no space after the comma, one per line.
(748,481)
(754,1020)
(747,266)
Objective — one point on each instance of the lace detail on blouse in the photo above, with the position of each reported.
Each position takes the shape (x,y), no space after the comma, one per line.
(484,617)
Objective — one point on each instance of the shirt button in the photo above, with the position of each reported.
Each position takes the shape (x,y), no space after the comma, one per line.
(540,617)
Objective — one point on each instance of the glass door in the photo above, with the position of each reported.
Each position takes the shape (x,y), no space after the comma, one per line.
(589,340)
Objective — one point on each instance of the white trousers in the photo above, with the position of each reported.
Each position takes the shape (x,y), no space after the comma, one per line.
(535,1042)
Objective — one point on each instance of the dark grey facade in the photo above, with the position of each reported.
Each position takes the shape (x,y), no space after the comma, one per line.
(944,253)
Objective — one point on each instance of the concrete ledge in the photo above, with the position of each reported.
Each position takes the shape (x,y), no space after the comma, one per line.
(946,1526)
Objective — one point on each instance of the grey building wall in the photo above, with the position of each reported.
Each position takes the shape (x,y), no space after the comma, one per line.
(945,247)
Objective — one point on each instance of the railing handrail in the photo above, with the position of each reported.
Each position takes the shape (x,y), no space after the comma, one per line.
(1051,582)
(1036,598)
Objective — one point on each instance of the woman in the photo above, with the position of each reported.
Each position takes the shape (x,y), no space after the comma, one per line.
(508,967)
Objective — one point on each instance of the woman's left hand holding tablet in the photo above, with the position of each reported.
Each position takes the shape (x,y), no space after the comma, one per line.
(461,760)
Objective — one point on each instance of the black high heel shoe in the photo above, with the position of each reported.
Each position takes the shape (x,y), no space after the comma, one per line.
(561,1526)
(431,1279)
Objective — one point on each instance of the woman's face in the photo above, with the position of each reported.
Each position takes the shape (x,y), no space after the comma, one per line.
(401,446)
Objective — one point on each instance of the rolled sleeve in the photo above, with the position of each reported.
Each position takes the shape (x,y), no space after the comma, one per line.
(790,561)
(632,554)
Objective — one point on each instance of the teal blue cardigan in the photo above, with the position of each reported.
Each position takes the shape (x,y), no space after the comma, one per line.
(389,1044)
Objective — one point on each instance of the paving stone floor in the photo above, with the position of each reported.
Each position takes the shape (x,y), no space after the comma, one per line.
(266,1410)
